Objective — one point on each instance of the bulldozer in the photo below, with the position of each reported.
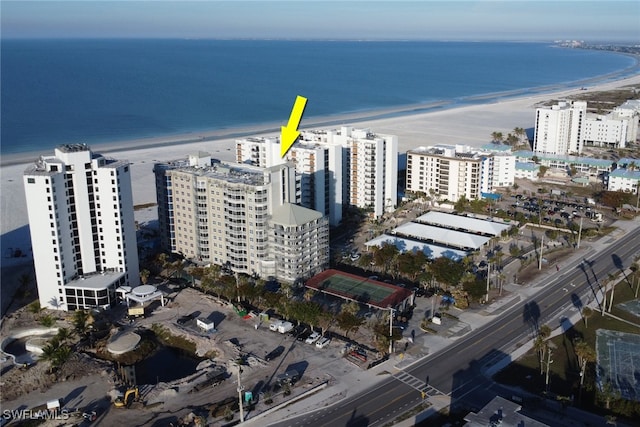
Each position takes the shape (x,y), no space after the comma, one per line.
(130,396)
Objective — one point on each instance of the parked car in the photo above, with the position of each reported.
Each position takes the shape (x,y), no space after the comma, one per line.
(313,338)
(304,335)
(275,325)
(275,353)
(323,342)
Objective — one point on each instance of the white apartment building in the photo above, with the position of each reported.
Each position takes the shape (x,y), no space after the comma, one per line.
(626,180)
(566,128)
(317,167)
(339,167)
(606,131)
(558,129)
(451,172)
(83,235)
(227,214)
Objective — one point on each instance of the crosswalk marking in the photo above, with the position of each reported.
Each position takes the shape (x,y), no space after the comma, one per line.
(417,383)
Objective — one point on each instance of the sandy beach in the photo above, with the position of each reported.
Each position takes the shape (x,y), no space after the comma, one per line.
(470,125)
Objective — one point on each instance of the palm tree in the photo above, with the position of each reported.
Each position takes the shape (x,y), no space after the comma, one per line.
(541,344)
(63,334)
(144,275)
(585,355)
(497,137)
(520,133)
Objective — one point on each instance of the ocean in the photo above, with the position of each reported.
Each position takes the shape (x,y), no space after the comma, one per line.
(97,91)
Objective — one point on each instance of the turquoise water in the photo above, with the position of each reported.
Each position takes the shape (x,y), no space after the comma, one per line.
(94,91)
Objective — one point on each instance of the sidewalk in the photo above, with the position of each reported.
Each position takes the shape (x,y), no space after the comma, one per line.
(426,344)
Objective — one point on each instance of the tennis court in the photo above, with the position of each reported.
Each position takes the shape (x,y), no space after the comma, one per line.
(619,362)
(357,288)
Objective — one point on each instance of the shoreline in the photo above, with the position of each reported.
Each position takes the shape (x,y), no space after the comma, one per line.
(352,117)
(417,125)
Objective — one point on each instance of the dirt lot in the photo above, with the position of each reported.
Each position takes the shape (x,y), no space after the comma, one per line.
(234,337)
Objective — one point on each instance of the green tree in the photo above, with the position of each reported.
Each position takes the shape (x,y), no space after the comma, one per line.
(385,257)
(476,289)
(47,321)
(80,321)
(350,307)
(144,275)
(64,335)
(542,171)
(521,134)
(541,344)
(497,137)
(349,322)
(512,139)
(34,307)
(515,250)
(585,355)
(366,260)
(411,264)
(447,271)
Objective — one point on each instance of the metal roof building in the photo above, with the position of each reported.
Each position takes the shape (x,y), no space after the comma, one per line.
(433,234)
(463,223)
(405,245)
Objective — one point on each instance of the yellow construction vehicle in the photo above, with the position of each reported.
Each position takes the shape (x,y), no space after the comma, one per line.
(129,397)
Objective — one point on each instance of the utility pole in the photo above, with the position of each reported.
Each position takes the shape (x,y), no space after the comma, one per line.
(579,234)
(240,389)
(541,246)
(390,330)
(488,276)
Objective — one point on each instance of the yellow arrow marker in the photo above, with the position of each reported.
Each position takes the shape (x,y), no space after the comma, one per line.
(290,133)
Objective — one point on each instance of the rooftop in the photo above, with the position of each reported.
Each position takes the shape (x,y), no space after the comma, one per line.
(406,245)
(463,223)
(433,234)
(290,214)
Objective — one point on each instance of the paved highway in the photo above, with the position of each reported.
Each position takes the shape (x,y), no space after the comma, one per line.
(457,370)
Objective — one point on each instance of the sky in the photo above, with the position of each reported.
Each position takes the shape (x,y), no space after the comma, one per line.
(513,20)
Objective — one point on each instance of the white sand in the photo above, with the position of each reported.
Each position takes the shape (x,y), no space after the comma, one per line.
(471,125)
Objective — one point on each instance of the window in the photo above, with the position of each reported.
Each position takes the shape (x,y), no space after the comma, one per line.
(31,180)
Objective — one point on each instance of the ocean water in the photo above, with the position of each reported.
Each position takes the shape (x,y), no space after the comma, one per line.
(95,91)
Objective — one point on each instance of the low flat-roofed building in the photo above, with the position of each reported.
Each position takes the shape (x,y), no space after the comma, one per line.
(405,245)
(624,180)
(500,412)
(463,223)
(443,236)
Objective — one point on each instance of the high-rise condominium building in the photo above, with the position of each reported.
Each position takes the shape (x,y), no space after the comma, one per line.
(337,168)
(83,234)
(566,128)
(317,168)
(240,216)
(559,128)
(451,172)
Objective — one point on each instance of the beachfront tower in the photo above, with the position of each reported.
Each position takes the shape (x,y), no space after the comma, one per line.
(242,217)
(559,128)
(83,235)
(336,168)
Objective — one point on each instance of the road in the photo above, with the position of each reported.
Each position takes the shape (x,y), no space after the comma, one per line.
(457,370)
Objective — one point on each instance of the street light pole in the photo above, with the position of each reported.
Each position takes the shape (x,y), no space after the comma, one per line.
(390,330)
(541,246)
(579,234)
(240,389)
